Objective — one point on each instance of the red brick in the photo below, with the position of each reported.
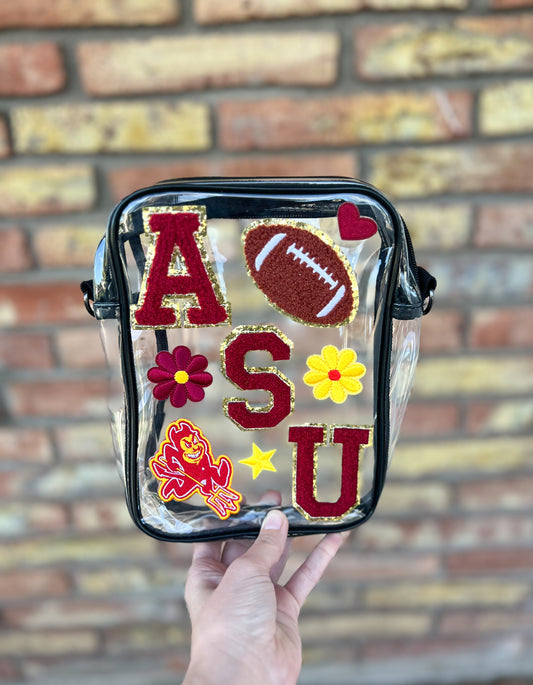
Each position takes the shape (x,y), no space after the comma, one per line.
(25,583)
(503,494)
(484,561)
(393,116)
(9,670)
(430,419)
(442,331)
(502,328)
(31,69)
(63,13)
(72,398)
(25,351)
(504,225)
(15,254)
(385,650)
(470,622)
(126,180)
(200,61)
(25,445)
(41,304)
(81,348)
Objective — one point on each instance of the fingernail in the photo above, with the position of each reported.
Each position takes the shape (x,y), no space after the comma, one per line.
(273,520)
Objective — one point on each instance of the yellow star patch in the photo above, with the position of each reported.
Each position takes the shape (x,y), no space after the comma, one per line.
(259,461)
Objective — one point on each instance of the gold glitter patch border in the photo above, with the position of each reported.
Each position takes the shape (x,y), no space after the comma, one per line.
(328,442)
(173,301)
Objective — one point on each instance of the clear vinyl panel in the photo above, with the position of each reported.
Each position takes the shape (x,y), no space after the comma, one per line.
(404,357)
(250,309)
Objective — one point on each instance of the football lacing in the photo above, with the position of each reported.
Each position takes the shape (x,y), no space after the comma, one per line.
(308,261)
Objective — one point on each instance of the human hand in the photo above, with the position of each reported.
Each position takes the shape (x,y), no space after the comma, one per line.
(244,623)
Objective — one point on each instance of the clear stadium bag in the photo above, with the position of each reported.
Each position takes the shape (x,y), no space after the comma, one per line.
(262,334)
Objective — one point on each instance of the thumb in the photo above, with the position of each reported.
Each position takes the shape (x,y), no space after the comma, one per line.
(270,543)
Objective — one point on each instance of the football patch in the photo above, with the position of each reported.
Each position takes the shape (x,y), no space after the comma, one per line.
(301,272)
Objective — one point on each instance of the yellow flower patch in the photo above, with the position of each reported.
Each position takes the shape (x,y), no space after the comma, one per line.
(334,373)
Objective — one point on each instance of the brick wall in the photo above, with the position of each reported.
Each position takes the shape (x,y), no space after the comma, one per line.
(432,101)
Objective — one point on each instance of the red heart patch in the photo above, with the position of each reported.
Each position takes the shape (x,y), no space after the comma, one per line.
(352,226)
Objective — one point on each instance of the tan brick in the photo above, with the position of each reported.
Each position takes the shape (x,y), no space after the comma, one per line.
(69,245)
(5,147)
(498,277)
(31,69)
(20,518)
(146,638)
(430,419)
(25,351)
(502,167)
(102,516)
(48,643)
(473,375)
(401,499)
(15,254)
(478,592)
(502,328)
(437,226)
(25,445)
(46,189)
(63,13)
(216,12)
(459,532)
(78,442)
(72,398)
(80,613)
(505,225)
(74,480)
(61,550)
(506,108)
(362,624)
(496,455)
(505,416)
(467,45)
(26,583)
(442,332)
(205,61)
(81,348)
(353,567)
(36,304)
(133,579)
(365,118)
(503,494)
(111,127)
(130,178)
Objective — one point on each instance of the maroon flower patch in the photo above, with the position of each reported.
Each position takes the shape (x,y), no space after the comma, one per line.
(180,376)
